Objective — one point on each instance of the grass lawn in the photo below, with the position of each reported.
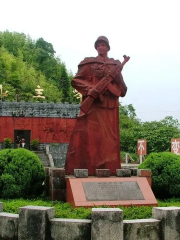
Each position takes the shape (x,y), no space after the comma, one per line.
(65,210)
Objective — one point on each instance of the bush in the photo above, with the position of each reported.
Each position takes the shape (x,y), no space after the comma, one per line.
(34,144)
(7,143)
(165,169)
(132,157)
(21,173)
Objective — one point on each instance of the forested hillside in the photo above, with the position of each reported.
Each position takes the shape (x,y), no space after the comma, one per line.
(26,63)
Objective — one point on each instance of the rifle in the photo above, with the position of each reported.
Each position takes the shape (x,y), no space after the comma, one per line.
(103,85)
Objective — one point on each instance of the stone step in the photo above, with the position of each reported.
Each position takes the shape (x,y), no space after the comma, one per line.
(42,156)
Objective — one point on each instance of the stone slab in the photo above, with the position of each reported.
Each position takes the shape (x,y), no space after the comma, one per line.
(123,172)
(170,218)
(69,229)
(107,224)
(57,183)
(133,171)
(88,192)
(81,173)
(57,194)
(9,226)
(109,191)
(141,229)
(103,173)
(34,222)
(57,172)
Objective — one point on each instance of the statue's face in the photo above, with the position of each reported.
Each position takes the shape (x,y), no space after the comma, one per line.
(102,49)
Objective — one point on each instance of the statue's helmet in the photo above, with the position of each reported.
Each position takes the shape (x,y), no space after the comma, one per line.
(102,39)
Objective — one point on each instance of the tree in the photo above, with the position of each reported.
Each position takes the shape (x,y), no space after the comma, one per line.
(157,133)
(25,63)
(64,84)
(130,127)
(12,41)
(22,79)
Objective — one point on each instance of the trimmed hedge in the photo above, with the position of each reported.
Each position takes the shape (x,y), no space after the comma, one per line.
(165,167)
(21,173)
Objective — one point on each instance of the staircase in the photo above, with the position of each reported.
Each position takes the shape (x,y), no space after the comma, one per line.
(43,157)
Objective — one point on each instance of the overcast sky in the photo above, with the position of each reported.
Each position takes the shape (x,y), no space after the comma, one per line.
(146,30)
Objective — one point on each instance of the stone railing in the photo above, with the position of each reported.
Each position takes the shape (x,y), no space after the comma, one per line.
(57,154)
(49,155)
(39,223)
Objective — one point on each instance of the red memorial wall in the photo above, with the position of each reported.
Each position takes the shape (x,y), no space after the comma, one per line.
(47,130)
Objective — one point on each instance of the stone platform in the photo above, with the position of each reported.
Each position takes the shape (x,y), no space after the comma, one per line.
(112,191)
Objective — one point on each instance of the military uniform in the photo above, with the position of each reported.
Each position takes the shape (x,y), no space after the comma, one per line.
(94,143)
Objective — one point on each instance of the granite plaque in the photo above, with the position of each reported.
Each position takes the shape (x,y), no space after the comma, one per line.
(110,191)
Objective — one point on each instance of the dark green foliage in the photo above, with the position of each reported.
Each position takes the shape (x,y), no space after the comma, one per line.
(21,173)
(134,212)
(165,169)
(129,128)
(34,144)
(157,133)
(65,210)
(7,143)
(64,84)
(25,63)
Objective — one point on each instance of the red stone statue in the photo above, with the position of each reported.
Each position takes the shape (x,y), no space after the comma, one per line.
(95,142)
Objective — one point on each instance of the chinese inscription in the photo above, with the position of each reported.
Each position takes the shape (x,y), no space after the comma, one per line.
(112,191)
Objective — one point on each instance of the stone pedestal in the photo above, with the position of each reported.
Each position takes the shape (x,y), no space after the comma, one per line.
(34,222)
(107,224)
(9,226)
(81,173)
(170,219)
(47,177)
(57,184)
(112,191)
(141,229)
(103,173)
(123,172)
(133,171)
(145,173)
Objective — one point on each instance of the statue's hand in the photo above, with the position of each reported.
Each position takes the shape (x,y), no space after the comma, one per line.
(116,71)
(93,93)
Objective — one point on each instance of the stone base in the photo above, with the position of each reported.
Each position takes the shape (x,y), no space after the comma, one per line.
(81,173)
(103,173)
(111,191)
(123,172)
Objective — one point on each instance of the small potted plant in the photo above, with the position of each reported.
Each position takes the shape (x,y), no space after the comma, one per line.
(7,143)
(34,144)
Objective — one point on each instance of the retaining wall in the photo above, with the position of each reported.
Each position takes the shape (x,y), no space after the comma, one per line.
(49,122)
(39,223)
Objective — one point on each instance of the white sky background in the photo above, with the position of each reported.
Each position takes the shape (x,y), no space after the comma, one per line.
(146,30)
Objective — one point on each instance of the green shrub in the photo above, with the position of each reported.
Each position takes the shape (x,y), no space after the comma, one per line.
(7,143)
(132,157)
(165,169)
(21,173)
(123,156)
(34,144)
